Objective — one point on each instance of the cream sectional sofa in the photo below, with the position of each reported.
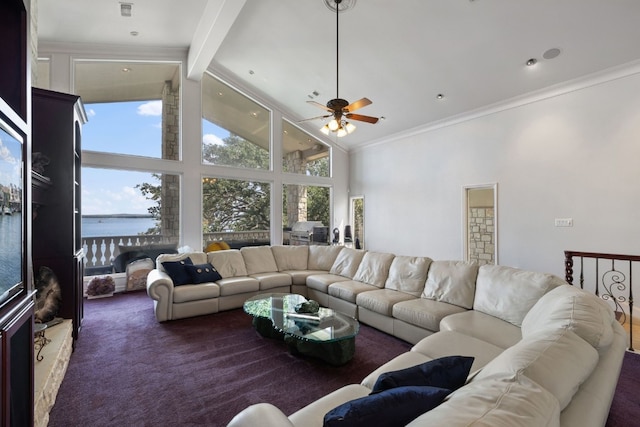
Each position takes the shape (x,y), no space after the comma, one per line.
(545,353)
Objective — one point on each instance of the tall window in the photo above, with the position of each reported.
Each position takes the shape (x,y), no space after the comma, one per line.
(125,208)
(305,203)
(236,211)
(302,153)
(133,110)
(133,107)
(236,131)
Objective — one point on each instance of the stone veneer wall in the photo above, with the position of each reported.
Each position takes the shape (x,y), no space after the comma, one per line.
(170,215)
(296,194)
(481,235)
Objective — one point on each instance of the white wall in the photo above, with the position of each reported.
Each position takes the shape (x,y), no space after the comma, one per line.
(570,154)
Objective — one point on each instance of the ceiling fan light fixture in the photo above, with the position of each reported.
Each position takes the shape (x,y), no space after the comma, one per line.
(349,127)
(341,132)
(333,125)
(325,129)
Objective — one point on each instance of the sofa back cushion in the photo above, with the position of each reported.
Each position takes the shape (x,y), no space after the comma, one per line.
(229,263)
(453,282)
(196,258)
(509,293)
(347,262)
(559,360)
(500,400)
(374,268)
(322,257)
(575,309)
(407,274)
(259,259)
(291,257)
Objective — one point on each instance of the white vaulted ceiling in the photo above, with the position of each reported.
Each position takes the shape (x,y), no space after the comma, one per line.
(399,54)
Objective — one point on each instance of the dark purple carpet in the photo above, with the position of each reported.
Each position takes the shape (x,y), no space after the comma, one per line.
(625,408)
(130,370)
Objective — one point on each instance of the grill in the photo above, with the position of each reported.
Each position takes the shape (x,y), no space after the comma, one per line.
(309,233)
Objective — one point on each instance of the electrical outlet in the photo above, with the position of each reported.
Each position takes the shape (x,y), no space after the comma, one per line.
(564,222)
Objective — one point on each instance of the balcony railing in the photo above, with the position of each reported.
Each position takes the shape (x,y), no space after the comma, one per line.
(101,251)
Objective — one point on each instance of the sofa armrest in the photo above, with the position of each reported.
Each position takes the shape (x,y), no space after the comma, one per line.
(261,414)
(160,289)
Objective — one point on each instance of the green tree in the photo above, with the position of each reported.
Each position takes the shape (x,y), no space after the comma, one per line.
(235,205)
(237,152)
(153,192)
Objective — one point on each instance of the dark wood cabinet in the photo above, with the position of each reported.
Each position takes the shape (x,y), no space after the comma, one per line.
(57,120)
(16,299)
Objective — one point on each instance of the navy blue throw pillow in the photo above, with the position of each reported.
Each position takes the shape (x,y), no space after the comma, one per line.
(448,372)
(394,407)
(176,270)
(202,273)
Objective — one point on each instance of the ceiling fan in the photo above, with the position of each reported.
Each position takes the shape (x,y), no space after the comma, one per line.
(340,109)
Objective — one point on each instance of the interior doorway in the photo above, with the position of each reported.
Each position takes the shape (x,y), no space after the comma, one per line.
(357,221)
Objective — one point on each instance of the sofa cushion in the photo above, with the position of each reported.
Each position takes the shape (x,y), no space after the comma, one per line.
(291,257)
(188,293)
(569,307)
(374,268)
(229,263)
(558,360)
(509,293)
(347,262)
(408,274)
(321,282)
(482,326)
(313,413)
(393,407)
(322,257)
(202,273)
(177,271)
(448,372)
(238,285)
(451,281)
(449,343)
(259,259)
(348,290)
(424,313)
(272,280)
(196,258)
(500,400)
(381,300)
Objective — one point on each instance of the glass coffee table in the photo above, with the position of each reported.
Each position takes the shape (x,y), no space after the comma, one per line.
(327,334)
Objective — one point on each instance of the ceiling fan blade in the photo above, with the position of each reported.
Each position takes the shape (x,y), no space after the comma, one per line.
(360,117)
(315,118)
(358,104)
(317,104)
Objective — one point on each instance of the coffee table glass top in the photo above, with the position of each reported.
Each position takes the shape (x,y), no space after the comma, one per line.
(325,326)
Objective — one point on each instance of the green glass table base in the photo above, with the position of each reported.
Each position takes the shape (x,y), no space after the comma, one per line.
(335,353)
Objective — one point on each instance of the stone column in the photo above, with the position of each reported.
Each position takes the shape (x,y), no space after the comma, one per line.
(296,194)
(170,193)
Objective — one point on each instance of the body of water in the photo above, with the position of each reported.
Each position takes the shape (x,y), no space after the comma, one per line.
(115,226)
(10,250)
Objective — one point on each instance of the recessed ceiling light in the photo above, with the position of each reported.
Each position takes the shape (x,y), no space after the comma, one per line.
(531,62)
(439,96)
(126,69)
(251,72)
(134,33)
(551,53)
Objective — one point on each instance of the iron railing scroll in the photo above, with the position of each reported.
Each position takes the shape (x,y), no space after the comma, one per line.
(609,276)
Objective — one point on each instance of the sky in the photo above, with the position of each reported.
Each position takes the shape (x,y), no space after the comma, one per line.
(132,128)
(10,165)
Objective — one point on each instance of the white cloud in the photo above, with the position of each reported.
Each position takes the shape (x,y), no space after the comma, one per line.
(211,139)
(91,112)
(151,108)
